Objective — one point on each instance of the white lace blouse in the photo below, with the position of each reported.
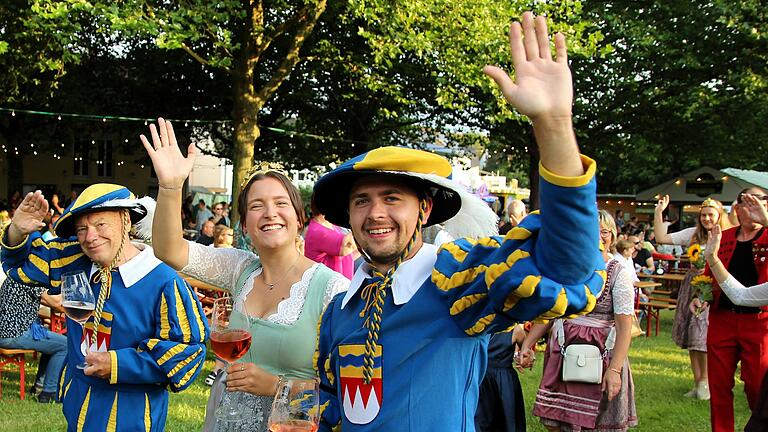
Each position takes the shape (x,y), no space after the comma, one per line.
(222,267)
(623,292)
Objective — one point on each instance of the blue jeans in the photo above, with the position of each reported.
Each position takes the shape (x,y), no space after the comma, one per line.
(55,346)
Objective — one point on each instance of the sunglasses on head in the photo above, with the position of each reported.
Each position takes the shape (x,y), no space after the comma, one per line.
(740,198)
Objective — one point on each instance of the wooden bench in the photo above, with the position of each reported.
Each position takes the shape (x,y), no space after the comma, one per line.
(15,357)
(653,309)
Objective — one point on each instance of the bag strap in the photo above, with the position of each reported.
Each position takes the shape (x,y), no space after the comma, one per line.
(610,342)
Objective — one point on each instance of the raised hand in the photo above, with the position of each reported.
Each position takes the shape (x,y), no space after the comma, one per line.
(713,243)
(756,209)
(29,216)
(542,87)
(662,204)
(542,90)
(171,166)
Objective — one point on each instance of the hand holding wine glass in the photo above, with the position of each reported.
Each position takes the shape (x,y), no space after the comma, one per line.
(78,301)
(296,407)
(230,340)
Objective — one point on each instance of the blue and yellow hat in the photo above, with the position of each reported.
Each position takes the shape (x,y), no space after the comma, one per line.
(426,172)
(106,196)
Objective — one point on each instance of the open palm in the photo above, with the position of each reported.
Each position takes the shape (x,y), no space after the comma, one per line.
(171,166)
(29,216)
(542,85)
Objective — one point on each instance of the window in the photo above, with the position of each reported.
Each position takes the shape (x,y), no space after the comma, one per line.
(104,163)
(81,157)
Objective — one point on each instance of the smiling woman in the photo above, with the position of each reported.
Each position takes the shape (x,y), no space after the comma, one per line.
(279,292)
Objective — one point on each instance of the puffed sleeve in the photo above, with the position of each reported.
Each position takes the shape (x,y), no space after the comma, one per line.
(35,261)
(330,411)
(549,266)
(176,352)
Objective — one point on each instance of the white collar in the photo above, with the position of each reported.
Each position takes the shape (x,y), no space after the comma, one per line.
(137,267)
(407,279)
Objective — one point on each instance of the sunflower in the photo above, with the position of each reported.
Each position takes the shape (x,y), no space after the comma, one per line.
(694,252)
(702,287)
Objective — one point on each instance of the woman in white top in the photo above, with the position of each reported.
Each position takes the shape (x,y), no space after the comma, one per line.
(743,296)
(689,331)
(610,405)
(284,292)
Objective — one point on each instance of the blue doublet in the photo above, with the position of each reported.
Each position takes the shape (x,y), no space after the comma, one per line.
(152,326)
(432,346)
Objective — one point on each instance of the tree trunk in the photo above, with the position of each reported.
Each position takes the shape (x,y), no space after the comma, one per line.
(245,115)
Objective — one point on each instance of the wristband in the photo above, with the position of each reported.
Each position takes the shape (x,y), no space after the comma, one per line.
(618,371)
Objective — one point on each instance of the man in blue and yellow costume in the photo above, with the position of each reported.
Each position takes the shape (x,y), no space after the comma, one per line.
(150,330)
(405,348)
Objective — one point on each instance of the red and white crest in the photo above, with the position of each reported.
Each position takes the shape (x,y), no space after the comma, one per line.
(361,402)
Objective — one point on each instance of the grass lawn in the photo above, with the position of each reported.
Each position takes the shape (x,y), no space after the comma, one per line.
(660,370)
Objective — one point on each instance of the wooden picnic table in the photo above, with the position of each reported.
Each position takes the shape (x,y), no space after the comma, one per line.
(652,310)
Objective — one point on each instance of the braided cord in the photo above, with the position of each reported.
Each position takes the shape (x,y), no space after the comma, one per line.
(376,292)
(105,276)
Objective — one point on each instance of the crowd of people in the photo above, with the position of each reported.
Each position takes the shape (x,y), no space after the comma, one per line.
(398,333)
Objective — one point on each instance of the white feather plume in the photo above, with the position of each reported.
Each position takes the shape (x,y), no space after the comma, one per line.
(145,206)
(143,228)
(474,219)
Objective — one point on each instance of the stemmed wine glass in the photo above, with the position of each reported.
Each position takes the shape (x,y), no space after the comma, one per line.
(296,407)
(78,302)
(230,340)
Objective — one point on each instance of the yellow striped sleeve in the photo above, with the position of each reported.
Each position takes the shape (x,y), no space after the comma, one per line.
(196,313)
(40,263)
(187,376)
(181,315)
(152,343)
(183,363)
(457,279)
(465,302)
(165,326)
(170,353)
(23,276)
(62,262)
(480,325)
(18,246)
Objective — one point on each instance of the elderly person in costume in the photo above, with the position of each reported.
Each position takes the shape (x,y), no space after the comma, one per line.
(406,347)
(151,330)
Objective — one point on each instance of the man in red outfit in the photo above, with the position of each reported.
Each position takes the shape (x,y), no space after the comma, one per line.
(738,333)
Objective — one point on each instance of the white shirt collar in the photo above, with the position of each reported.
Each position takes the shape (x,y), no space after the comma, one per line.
(408,277)
(137,267)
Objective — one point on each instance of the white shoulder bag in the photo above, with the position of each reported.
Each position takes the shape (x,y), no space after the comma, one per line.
(582,362)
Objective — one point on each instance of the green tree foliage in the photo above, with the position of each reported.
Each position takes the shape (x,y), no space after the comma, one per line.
(684,85)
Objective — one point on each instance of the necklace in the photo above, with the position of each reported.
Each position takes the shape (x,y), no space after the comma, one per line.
(271,286)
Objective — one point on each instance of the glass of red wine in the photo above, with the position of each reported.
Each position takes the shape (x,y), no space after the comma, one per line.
(78,302)
(230,340)
(296,407)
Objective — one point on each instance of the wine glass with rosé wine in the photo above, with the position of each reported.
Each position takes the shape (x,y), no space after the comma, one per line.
(230,340)
(78,302)
(296,407)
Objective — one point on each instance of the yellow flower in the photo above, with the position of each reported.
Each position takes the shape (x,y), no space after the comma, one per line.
(694,251)
(701,279)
